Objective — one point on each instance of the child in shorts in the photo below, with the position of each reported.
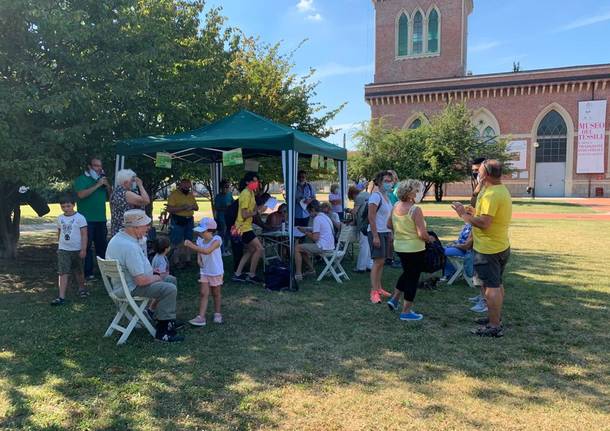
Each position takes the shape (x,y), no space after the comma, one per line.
(72,248)
(209,257)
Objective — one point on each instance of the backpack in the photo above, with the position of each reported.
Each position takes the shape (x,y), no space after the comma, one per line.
(363,218)
(435,255)
(277,277)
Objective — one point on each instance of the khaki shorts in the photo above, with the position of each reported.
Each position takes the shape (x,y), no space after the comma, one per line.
(311,248)
(69,262)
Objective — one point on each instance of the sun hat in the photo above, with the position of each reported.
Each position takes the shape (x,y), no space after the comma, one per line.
(135,218)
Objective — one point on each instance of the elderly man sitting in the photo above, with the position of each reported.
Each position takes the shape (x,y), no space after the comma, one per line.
(125,248)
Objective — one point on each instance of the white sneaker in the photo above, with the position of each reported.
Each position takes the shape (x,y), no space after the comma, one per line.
(480,307)
(217,318)
(475,298)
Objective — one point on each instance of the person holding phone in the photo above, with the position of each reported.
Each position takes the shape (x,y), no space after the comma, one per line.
(124,198)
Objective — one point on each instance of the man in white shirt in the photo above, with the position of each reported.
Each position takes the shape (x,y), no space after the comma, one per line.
(322,235)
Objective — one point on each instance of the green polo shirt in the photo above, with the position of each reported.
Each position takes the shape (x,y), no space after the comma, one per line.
(93,207)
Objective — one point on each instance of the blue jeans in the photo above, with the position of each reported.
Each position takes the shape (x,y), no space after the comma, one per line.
(97,234)
(177,233)
(452,251)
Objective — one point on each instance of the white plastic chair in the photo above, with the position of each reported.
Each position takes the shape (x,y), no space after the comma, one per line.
(333,258)
(130,307)
(458,264)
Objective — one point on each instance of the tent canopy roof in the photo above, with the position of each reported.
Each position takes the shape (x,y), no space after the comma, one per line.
(256,135)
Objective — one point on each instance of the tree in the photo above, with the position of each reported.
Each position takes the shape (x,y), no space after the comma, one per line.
(76,77)
(436,153)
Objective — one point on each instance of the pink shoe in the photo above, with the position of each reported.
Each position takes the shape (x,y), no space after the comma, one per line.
(375,298)
(384,293)
(217,318)
(198,321)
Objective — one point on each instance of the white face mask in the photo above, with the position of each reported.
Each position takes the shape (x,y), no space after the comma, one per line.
(419,196)
(94,175)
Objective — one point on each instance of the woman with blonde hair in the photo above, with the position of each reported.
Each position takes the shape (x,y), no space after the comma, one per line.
(410,237)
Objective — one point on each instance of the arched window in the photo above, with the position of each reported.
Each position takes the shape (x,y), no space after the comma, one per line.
(415,124)
(418,33)
(489,135)
(433,31)
(403,35)
(552,139)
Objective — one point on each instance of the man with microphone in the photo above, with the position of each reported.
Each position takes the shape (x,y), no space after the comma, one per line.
(93,189)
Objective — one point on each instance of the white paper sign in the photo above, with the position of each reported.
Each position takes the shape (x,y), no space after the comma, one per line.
(518,150)
(591,136)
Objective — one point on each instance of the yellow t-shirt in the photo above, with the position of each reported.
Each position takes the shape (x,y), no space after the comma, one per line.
(494,201)
(178,199)
(247,202)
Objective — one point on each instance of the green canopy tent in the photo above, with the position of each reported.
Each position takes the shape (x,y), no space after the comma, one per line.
(255,135)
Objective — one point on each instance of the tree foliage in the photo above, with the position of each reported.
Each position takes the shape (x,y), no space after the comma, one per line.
(436,153)
(77,76)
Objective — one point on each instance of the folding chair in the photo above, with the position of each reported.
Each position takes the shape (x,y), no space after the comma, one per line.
(130,307)
(458,264)
(333,258)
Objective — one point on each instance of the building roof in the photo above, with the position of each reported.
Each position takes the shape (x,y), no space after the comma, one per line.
(521,78)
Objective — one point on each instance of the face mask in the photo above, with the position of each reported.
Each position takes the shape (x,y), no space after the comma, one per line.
(475,176)
(253,186)
(419,196)
(94,175)
(388,187)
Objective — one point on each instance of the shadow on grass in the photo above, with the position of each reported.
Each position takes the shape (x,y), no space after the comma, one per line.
(222,376)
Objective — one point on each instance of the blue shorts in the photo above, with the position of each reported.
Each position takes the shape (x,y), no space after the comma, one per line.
(177,233)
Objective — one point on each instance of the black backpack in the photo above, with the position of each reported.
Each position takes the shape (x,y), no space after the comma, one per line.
(364,217)
(277,277)
(435,255)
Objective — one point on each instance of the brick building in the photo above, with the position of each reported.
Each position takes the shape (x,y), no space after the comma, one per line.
(420,66)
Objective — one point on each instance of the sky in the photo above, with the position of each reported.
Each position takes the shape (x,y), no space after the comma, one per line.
(339,41)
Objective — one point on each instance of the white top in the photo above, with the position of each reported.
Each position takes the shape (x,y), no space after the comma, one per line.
(211,263)
(334,218)
(384,211)
(69,231)
(323,226)
(335,197)
(127,250)
(160,264)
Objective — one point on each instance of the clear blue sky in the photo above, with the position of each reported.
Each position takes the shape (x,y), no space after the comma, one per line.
(340,40)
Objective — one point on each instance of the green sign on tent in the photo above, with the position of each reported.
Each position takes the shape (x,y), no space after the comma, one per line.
(163,160)
(232,157)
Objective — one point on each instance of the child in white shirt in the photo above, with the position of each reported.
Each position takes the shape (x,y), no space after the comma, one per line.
(160,266)
(209,256)
(72,248)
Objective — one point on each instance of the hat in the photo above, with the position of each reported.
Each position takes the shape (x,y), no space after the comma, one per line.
(205,224)
(135,218)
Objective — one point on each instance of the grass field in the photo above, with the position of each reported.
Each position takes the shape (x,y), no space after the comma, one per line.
(526,205)
(323,358)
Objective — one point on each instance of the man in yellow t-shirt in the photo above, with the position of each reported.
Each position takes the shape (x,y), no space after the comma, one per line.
(252,245)
(181,204)
(491,244)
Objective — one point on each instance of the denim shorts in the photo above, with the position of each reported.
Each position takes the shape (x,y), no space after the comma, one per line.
(489,268)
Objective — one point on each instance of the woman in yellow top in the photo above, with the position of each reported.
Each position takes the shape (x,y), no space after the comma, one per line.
(245,214)
(410,237)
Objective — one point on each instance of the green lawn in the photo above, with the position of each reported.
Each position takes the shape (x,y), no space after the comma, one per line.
(525,205)
(323,358)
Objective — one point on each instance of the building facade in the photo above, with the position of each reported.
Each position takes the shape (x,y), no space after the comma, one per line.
(420,67)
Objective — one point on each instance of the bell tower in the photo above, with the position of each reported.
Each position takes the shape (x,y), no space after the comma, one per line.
(417,40)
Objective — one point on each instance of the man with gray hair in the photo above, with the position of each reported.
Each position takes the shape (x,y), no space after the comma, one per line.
(141,280)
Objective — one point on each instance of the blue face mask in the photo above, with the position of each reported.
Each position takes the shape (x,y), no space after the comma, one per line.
(388,187)
(94,175)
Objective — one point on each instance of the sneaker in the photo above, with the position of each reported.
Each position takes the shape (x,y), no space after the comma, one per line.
(90,277)
(411,316)
(298,277)
(443,279)
(167,337)
(375,298)
(393,304)
(479,307)
(83,293)
(385,293)
(239,278)
(488,331)
(226,253)
(217,318)
(254,279)
(58,301)
(175,324)
(388,262)
(150,314)
(396,264)
(198,321)
(475,298)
